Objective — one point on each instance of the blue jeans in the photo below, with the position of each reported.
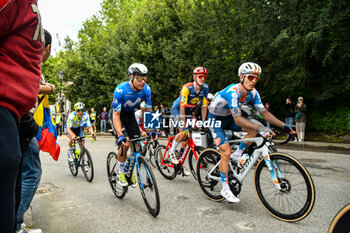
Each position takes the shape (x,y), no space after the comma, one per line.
(31,174)
(289,120)
(10,158)
(103,125)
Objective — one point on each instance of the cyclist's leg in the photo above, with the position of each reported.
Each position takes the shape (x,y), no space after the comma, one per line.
(219,137)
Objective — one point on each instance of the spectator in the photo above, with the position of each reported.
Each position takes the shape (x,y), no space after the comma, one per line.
(300,118)
(31,168)
(20,57)
(93,119)
(58,122)
(289,110)
(104,118)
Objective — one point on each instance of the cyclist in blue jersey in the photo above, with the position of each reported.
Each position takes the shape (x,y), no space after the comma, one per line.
(226,108)
(127,97)
(75,122)
(190,95)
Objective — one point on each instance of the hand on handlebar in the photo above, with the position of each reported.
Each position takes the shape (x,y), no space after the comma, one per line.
(154,134)
(289,129)
(121,140)
(265,132)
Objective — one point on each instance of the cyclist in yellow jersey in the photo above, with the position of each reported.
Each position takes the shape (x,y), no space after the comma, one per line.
(191,94)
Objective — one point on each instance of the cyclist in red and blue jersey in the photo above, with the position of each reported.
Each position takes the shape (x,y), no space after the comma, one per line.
(127,97)
(190,95)
(226,108)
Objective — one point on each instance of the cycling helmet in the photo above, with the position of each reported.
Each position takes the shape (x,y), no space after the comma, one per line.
(79,105)
(200,70)
(210,96)
(138,69)
(249,68)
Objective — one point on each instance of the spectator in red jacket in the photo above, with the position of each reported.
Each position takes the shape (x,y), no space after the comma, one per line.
(21,39)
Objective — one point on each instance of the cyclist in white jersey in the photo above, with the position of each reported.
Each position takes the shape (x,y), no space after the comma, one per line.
(226,108)
(75,122)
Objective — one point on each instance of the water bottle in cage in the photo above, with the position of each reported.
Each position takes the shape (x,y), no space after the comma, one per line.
(244,158)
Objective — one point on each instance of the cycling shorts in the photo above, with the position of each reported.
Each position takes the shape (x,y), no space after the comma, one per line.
(129,125)
(78,131)
(175,115)
(218,133)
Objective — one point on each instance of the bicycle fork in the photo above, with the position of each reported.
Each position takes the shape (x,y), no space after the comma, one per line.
(139,172)
(273,167)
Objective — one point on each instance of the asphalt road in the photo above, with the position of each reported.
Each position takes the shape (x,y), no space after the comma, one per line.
(71,204)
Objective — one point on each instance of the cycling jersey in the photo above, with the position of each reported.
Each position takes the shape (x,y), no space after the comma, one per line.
(229,100)
(189,98)
(127,100)
(74,122)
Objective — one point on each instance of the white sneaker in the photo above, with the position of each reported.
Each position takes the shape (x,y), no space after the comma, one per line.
(229,195)
(70,155)
(185,172)
(173,158)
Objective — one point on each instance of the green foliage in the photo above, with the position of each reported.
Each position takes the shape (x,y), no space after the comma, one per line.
(337,121)
(302,46)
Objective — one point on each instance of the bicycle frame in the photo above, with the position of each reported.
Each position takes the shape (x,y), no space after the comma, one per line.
(136,154)
(262,151)
(190,146)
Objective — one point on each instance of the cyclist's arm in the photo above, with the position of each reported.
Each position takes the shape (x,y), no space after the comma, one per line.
(117,124)
(204,109)
(269,117)
(246,124)
(71,134)
(183,102)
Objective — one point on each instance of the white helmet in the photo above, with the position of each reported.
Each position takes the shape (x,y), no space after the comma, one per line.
(249,68)
(210,96)
(138,69)
(79,105)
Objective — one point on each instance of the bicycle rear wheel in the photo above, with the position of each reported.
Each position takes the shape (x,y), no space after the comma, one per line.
(86,165)
(148,187)
(73,167)
(118,190)
(208,159)
(167,169)
(192,161)
(296,198)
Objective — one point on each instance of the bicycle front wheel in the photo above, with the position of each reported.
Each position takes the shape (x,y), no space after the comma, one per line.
(208,174)
(118,190)
(296,197)
(148,187)
(167,169)
(86,165)
(192,160)
(73,167)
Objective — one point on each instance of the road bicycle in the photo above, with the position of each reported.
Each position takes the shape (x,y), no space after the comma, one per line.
(283,185)
(340,222)
(145,177)
(170,170)
(82,158)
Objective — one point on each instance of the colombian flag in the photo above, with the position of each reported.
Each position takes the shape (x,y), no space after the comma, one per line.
(47,134)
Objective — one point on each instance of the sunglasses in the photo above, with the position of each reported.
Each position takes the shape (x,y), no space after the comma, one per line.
(202,76)
(141,78)
(80,110)
(252,78)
